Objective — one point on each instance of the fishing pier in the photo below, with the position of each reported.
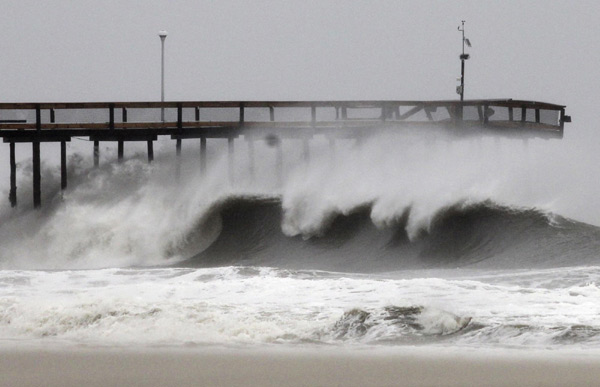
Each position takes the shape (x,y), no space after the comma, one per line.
(271,121)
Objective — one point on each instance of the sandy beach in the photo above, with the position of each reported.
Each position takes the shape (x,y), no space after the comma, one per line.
(294,367)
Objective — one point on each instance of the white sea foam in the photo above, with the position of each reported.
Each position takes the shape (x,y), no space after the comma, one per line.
(264,306)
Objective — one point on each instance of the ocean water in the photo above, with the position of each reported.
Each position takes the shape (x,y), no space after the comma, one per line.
(393,241)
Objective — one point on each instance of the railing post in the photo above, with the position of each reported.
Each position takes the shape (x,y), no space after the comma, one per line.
(111,116)
(523,113)
(38,117)
(271,113)
(510,114)
(241,113)
(313,115)
(486,119)
(537,116)
(179,116)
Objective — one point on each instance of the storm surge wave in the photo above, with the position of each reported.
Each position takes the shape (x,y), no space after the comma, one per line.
(387,203)
(475,235)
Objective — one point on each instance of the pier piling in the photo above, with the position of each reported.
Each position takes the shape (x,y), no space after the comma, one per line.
(96,153)
(203,164)
(150,151)
(13,176)
(37,177)
(279,163)
(231,159)
(251,159)
(63,165)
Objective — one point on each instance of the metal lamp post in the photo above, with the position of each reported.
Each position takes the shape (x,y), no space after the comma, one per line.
(163,35)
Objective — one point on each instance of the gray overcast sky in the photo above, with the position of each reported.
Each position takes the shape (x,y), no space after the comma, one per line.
(89,50)
(74,50)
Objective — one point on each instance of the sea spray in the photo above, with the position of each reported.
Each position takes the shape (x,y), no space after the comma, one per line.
(139,214)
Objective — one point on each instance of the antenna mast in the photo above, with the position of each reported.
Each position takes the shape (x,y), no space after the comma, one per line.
(463,57)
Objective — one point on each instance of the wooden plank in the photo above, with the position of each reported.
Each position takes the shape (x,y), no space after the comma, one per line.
(123,137)
(21,137)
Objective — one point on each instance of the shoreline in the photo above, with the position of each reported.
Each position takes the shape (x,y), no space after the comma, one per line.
(302,366)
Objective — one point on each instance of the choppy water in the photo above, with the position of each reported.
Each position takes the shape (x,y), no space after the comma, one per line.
(367,254)
(249,305)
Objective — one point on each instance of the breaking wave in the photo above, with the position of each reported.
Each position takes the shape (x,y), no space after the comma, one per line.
(475,235)
(389,203)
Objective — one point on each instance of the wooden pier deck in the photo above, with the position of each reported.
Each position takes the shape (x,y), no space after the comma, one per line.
(122,122)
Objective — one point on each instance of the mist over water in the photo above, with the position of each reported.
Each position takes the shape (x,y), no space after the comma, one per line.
(135,214)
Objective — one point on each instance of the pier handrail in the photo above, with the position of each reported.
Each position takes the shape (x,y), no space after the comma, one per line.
(267,104)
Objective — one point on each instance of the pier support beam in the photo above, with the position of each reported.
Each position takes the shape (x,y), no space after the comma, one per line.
(120,143)
(13,176)
(150,151)
(178,159)
(203,164)
(96,154)
(251,159)
(231,159)
(63,165)
(305,150)
(37,176)
(332,150)
(279,163)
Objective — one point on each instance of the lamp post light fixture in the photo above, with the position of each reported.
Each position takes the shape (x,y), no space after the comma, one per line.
(163,35)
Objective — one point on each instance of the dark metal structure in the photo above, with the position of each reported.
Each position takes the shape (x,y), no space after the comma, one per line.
(122,122)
